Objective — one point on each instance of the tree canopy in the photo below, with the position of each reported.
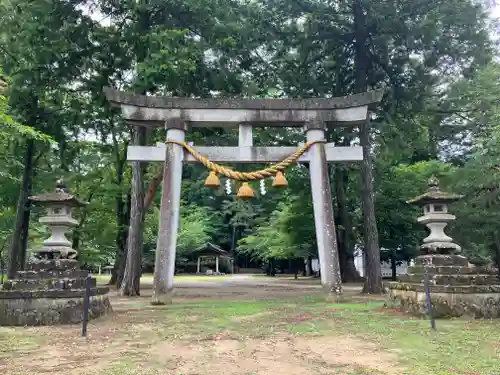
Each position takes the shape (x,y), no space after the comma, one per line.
(440,116)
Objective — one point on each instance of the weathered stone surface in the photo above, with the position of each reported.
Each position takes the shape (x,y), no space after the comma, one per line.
(55,293)
(52,289)
(37,284)
(44,295)
(50,311)
(45,252)
(442,260)
(52,265)
(437,279)
(448,304)
(121,97)
(72,273)
(453,289)
(448,270)
(456,287)
(440,248)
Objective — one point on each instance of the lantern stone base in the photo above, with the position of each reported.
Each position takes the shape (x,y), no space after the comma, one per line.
(49,311)
(50,292)
(457,289)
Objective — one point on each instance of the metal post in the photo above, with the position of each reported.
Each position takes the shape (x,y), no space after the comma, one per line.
(428,297)
(326,235)
(86,305)
(163,283)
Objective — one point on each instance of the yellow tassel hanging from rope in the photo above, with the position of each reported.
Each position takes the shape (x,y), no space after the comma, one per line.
(212,180)
(280,180)
(245,191)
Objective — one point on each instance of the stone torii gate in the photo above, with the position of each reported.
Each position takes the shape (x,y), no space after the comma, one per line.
(178,114)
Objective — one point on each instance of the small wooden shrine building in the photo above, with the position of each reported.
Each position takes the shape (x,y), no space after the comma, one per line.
(208,253)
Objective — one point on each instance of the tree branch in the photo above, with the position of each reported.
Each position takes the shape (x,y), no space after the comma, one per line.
(153,187)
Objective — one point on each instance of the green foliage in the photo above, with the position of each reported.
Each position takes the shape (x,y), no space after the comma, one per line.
(271,239)
(477,99)
(196,228)
(429,57)
(173,61)
(289,230)
(12,131)
(399,229)
(11,128)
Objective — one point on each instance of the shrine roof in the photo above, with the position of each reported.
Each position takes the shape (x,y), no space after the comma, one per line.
(117,98)
(211,249)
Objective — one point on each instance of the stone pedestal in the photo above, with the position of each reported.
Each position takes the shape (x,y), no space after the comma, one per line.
(50,292)
(52,288)
(457,288)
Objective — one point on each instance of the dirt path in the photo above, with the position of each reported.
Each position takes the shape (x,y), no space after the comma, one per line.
(252,281)
(111,352)
(278,356)
(140,339)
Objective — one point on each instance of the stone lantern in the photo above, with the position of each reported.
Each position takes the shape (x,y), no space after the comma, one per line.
(52,287)
(457,287)
(59,205)
(436,218)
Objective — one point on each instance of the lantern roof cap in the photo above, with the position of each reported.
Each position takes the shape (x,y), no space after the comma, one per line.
(434,195)
(60,195)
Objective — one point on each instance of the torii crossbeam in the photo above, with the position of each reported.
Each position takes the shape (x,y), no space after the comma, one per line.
(178,114)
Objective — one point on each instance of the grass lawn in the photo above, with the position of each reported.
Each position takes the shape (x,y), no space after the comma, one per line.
(292,335)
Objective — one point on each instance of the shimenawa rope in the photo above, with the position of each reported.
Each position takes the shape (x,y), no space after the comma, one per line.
(247,176)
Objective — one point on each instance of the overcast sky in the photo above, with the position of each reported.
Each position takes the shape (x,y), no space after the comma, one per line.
(495,14)
(496,11)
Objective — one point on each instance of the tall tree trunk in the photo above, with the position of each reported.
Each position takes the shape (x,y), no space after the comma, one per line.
(19,235)
(373,275)
(346,248)
(309,270)
(130,285)
(25,231)
(132,259)
(120,213)
(2,259)
(123,240)
(394,271)
(497,252)
(122,218)
(120,239)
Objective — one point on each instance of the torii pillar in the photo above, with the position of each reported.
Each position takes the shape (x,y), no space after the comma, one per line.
(166,243)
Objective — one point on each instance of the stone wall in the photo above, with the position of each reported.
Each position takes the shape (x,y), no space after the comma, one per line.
(447,305)
(50,311)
